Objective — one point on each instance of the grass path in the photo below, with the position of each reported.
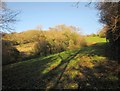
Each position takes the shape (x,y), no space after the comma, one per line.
(87,67)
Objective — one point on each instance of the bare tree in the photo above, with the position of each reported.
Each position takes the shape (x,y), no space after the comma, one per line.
(7,17)
(39,27)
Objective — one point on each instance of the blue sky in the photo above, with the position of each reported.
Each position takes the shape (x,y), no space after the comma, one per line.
(49,14)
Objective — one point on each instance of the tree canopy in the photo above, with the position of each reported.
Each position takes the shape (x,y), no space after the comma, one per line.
(110,16)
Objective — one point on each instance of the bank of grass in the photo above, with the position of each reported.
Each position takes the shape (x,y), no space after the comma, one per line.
(93,40)
(86,68)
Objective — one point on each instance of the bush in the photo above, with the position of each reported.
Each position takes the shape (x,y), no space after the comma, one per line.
(58,39)
(93,35)
(42,47)
(102,32)
(9,53)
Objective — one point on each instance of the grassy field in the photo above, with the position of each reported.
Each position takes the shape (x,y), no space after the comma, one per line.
(93,40)
(87,67)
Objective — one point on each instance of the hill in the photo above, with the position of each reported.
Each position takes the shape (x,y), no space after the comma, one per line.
(87,67)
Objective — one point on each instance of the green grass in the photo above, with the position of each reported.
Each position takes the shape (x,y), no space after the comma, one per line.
(87,67)
(95,39)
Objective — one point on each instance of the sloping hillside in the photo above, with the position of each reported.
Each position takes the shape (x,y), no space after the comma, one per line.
(87,67)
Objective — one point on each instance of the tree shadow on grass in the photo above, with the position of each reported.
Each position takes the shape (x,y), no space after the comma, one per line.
(98,49)
(24,74)
(101,76)
(94,78)
(101,49)
(104,74)
(28,74)
(52,78)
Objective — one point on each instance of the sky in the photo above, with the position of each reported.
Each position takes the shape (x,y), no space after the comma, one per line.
(50,14)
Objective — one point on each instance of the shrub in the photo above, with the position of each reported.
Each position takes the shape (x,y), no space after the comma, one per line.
(42,48)
(9,53)
(102,32)
(93,35)
(58,39)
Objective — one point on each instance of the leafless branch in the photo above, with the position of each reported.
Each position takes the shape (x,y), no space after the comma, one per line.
(7,17)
